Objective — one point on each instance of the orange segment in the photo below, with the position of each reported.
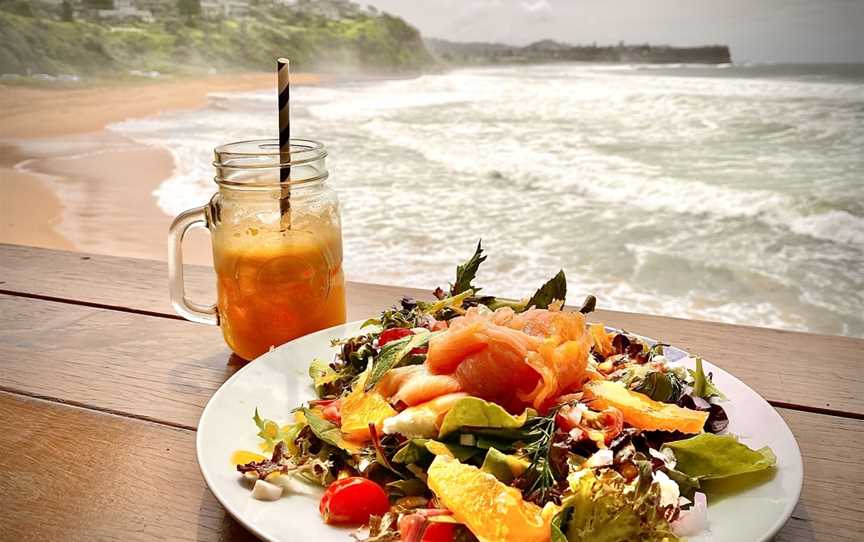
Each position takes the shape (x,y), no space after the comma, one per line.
(241,457)
(494,512)
(360,409)
(602,339)
(641,411)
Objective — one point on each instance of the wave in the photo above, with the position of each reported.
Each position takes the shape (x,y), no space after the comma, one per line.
(710,197)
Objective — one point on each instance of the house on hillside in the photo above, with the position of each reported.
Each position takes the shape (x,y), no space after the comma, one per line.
(224,8)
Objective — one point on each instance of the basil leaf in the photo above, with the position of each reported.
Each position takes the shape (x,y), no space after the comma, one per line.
(555,288)
(465,273)
(392,354)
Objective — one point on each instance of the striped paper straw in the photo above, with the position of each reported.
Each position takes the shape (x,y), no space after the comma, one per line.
(282,67)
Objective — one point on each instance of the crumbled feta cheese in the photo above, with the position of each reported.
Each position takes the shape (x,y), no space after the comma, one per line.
(669,491)
(601,458)
(467,440)
(666,456)
(265,491)
(412,423)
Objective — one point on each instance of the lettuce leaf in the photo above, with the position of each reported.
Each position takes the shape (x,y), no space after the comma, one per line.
(711,457)
(477,413)
(271,433)
(418,451)
(605,508)
(702,385)
(503,466)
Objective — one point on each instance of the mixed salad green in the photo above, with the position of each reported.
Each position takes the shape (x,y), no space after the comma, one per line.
(471,417)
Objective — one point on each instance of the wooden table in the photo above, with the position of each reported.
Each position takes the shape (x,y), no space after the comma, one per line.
(102,385)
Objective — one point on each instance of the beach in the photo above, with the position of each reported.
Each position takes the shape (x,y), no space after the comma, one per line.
(68,183)
(726,193)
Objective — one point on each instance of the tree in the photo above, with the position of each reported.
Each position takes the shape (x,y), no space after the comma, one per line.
(189,7)
(66,12)
(99,4)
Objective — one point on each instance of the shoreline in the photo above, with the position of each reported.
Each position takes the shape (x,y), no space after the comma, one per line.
(69,183)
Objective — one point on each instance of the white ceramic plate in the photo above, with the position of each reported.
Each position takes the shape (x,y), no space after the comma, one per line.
(277,382)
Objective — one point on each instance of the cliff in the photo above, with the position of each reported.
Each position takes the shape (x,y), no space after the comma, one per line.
(553,51)
(347,40)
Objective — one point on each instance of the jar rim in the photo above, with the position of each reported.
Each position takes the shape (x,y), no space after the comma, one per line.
(303,166)
(302,151)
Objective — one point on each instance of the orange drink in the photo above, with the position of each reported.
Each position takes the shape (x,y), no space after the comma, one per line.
(267,296)
(277,246)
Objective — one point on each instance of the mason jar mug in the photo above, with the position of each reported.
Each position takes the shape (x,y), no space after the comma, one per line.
(277,246)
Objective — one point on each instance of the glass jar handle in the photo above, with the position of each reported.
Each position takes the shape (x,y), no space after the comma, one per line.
(203,314)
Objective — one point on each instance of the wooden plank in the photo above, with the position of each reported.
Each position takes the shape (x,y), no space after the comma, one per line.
(140,285)
(105,477)
(831,505)
(74,474)
(153,368)
(777,364)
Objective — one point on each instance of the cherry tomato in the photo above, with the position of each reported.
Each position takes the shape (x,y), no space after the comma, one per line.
(393,334)
(352,500)
(411,525)
(439,532)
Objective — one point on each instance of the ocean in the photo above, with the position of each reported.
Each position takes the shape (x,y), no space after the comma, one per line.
(730,193)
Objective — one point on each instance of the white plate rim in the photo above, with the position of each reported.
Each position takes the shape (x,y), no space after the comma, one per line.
(351,328)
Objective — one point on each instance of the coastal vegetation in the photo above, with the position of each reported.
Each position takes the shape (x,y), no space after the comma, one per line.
(339,36)
(553,51)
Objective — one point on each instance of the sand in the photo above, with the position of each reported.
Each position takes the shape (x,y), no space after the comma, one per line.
(66,183)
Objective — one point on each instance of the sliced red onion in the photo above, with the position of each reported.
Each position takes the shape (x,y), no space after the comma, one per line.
(693,521)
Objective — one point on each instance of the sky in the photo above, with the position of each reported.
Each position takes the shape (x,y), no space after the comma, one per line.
(756,30)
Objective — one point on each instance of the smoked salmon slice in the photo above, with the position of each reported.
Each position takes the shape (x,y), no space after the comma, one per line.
(503,356)
(414,385)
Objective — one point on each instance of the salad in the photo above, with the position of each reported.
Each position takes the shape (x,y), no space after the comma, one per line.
(478,418)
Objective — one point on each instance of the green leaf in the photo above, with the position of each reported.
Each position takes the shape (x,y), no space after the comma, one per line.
(503,466)
(465,273)
(452,301)
(702,385)
(605,508)
(686,484)
(555,288)
(588,305)
(328,432)
(371,322)
(271,433)
(711,457)
(417,451)
(322,374)
(408,488)
(413,451)
(477,413)
(663,387)
(393,353)
(560,517)
(462,453)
